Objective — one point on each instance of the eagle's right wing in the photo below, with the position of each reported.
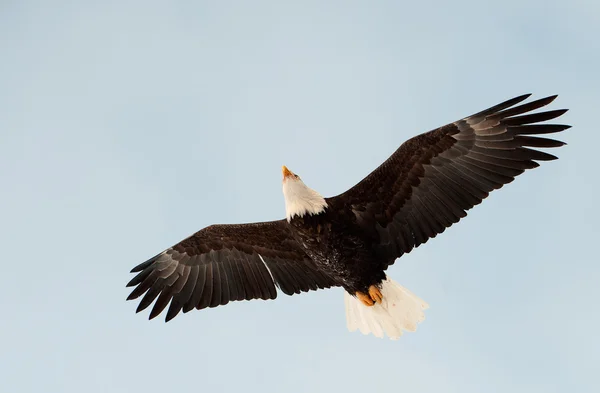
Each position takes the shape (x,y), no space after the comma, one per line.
(223,263)
(434,178)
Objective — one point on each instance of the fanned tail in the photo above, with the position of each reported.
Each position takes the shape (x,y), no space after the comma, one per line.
(400,310)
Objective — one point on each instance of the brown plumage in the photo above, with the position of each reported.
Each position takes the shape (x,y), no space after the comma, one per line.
(424,187)
(431,181)
(222,263)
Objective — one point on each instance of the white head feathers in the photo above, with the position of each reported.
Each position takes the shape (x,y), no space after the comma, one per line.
(299,198)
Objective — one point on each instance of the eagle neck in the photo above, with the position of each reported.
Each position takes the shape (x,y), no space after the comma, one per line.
(301,200)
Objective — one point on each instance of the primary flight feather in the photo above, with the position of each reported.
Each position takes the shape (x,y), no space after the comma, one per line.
(349,240)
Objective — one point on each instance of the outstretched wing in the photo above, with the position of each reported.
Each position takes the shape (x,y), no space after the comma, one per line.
(430,182)
(223,263)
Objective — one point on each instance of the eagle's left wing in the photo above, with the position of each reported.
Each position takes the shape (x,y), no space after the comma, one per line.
(223,263)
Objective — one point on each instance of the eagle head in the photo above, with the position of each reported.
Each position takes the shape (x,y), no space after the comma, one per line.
(299,198)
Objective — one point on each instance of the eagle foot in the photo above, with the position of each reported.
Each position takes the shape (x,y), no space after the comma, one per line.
(364,298)
(374,296)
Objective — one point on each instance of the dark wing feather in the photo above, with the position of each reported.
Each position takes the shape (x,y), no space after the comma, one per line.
(434,178)
(223,263)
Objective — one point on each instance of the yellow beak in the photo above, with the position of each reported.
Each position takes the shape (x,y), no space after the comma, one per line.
(286,172)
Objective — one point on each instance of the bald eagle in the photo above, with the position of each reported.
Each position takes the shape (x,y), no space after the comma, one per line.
(349,240)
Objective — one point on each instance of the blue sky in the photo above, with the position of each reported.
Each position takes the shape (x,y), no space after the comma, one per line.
(127,126)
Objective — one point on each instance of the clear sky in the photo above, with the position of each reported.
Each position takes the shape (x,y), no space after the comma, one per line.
(126,126)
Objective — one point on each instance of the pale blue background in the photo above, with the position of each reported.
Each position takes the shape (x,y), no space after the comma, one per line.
(126,126)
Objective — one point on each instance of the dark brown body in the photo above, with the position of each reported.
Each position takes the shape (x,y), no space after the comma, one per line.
(340,248)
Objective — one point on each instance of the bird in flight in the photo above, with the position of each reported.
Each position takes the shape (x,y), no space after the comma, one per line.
(349,240)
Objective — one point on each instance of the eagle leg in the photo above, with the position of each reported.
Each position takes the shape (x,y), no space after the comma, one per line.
(364,299)
(375,294)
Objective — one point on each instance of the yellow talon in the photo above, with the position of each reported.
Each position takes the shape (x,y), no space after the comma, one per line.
(375,294)
(365,299)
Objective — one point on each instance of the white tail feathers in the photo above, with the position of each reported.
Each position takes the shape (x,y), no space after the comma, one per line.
(400,310)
